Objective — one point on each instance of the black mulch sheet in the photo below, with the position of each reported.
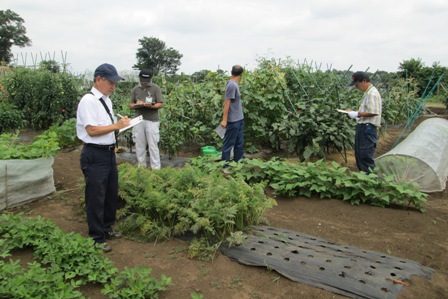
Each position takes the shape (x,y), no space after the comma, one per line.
(337,268)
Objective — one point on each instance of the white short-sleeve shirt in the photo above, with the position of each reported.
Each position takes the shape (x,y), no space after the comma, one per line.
(91,112)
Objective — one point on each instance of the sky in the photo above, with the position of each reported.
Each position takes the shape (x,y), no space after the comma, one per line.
(210,34)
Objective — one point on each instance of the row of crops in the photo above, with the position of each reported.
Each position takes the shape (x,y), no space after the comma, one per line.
(288,107)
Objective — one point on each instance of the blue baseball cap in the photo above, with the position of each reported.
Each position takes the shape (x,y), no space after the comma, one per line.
(108,71)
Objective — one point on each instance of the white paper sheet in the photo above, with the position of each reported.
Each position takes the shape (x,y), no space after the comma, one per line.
(134,121)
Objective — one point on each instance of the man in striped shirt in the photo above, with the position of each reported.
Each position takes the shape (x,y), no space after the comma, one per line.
(368,119)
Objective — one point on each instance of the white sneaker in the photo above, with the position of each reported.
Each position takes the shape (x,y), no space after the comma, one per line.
(141,165)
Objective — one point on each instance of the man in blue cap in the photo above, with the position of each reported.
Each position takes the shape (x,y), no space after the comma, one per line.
(96,127)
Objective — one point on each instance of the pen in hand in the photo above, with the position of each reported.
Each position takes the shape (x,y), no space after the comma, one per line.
(121,117)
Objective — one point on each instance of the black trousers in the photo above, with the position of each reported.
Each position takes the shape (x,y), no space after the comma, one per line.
(99,167)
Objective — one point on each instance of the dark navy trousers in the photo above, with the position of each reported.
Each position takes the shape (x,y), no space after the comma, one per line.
(99,167)
(366,139)
(233,138)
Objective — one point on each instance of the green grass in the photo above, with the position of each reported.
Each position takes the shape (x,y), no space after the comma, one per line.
(435,105)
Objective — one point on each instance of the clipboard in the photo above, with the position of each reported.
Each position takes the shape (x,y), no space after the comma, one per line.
(134,121)
(221,131)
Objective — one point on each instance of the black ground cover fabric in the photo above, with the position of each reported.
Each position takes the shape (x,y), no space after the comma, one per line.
(337,268)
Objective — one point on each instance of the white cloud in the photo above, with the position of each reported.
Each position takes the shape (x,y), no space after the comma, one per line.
(210,34)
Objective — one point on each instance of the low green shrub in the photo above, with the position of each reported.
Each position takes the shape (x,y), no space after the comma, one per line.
(11,118)
(44,145)
(44,97)
(65,133)
(63,262)
(136,283)
(172,201)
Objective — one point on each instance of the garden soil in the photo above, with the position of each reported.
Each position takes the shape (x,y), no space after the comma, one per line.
(403,233)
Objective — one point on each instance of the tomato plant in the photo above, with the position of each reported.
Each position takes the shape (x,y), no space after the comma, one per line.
(45,98)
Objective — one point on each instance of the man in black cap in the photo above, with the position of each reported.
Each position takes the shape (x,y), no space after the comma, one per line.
(146,100)
(368,119)
(95,126)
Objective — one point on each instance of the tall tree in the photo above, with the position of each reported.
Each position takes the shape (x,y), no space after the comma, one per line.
(12,33)
(427,77)
(155,55)
(411,67)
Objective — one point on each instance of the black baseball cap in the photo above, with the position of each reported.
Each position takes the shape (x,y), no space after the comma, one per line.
(145,75)
(109,72)
(359,77)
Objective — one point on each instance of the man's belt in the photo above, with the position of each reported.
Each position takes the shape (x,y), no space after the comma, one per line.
(101,146)
(366,124)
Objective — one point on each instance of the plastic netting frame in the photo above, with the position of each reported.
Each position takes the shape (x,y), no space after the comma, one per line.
(421,158)
(22,181)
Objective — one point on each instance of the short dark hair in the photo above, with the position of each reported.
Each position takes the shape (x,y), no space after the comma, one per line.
(237,70)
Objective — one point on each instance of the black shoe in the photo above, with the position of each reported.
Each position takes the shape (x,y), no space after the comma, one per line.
(113,235)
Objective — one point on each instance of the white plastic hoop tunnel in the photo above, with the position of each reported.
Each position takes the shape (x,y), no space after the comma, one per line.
(422,157)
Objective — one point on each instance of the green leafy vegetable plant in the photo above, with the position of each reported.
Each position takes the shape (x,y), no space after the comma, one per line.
(63,263)
(65,133)
(136,283)
(43,146)
(326,180)
(11,118)
(45,98)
